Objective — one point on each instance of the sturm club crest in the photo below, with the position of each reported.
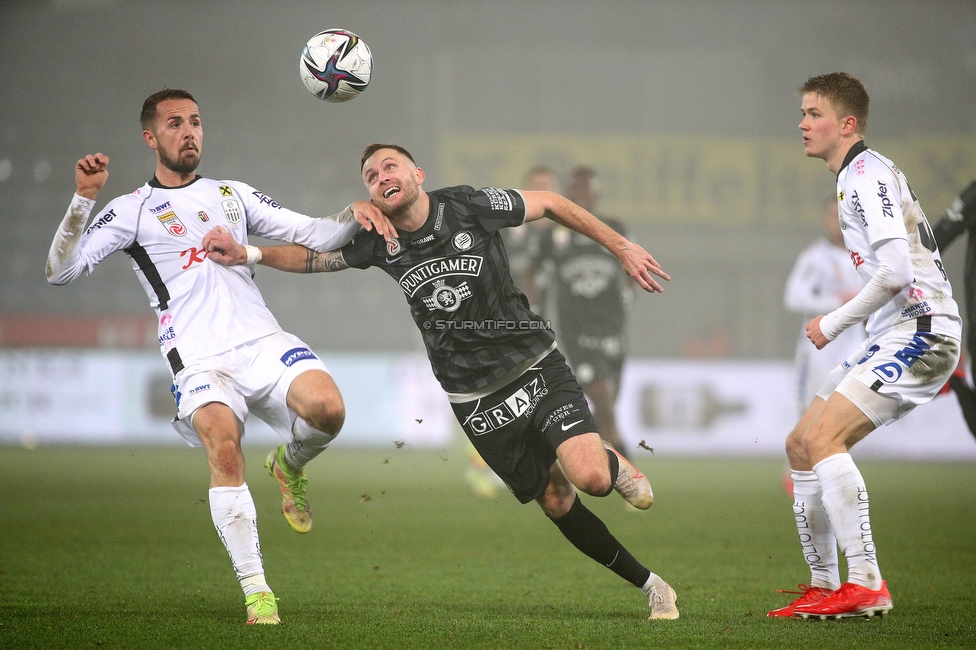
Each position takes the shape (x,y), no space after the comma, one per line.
(393,247)
(447,298)
(462,241)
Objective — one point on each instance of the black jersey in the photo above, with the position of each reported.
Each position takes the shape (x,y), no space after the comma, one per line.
(589,284)
(454,272)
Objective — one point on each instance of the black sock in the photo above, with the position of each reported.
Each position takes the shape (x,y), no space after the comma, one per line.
(614,463)
(590,535)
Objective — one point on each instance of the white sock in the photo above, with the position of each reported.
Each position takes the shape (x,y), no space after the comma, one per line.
(255,584)
(233,513)
(309,442)
(816,537)
(651,580)
(845,498)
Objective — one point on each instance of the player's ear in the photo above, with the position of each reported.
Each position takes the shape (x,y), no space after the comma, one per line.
(849,125)
(418,174)
(150,138)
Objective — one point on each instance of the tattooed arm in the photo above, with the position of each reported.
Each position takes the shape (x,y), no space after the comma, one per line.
(222,248)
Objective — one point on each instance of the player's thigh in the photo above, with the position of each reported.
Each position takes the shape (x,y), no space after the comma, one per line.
(838,426)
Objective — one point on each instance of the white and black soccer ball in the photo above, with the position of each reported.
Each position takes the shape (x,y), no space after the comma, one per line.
(336,65)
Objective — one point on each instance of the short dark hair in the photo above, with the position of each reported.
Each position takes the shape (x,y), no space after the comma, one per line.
(148,116)
(373,148)
(844,92)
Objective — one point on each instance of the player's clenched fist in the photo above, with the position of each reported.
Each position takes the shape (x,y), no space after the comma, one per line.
(91,172)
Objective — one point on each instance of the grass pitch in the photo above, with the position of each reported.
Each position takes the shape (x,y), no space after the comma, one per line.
(115,548)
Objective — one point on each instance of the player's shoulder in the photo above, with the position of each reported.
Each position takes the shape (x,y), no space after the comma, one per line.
(868,166)
(455,192)
(130,202)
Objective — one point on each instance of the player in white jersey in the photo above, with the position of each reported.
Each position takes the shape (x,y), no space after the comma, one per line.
(227,354)
(822,280)
(913,346)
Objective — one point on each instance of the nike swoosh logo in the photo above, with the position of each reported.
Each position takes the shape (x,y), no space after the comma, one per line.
(566,426)
(393,260)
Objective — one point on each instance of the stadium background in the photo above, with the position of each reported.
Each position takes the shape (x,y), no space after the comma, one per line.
(687,110)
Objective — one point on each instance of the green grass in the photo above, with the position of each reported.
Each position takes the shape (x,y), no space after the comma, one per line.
(115,548)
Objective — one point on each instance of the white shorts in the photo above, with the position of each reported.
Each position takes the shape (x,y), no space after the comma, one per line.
(892,373)
(251,378)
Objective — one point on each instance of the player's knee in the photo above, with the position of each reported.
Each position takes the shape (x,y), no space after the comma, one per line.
(327,416)
(557,500)
(594,481)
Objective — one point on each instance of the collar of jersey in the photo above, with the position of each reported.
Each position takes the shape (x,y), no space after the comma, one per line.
(155,183)
(853,153)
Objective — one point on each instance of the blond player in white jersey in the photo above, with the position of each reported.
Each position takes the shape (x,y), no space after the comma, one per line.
(227,354)
(822,280)
(913,346)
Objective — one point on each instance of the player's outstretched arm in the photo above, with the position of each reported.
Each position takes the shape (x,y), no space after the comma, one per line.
(222,248)
(637,262)
(91,172)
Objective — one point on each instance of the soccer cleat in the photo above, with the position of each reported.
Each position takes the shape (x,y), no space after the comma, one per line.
(294,504)
(262,609)
(849,601)
(662,600)
(809,596)
(631,483)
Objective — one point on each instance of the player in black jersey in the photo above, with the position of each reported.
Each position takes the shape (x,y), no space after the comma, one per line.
(591,297)
(511,390)
(961,218)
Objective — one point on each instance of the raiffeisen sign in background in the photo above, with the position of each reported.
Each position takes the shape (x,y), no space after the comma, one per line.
(731,408)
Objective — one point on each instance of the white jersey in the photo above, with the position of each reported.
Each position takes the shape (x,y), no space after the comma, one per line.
(875,204)
(203,308)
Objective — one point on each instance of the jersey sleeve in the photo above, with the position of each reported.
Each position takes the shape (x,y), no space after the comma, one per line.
(359,252)
(267,218)
(76,249)
(495,208)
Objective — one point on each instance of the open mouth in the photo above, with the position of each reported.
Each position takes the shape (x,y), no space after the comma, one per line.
(391,192)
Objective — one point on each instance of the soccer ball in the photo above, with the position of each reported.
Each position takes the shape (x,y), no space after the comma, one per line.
(336,65)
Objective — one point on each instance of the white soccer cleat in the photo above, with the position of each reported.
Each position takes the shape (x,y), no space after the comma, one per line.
(662,600)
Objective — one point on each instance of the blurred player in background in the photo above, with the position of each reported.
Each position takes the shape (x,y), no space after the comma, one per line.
(226,352)
(592,294)
(522,244)
(509,386)
(913,330)
(822,280)
(961,218)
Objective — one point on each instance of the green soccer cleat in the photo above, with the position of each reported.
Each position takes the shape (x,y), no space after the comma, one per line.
(262,609)
(294,504)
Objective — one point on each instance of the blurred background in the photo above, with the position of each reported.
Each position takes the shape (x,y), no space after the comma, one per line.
(687,110)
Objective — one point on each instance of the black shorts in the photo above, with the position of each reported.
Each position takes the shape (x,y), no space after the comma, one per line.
(516,429)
